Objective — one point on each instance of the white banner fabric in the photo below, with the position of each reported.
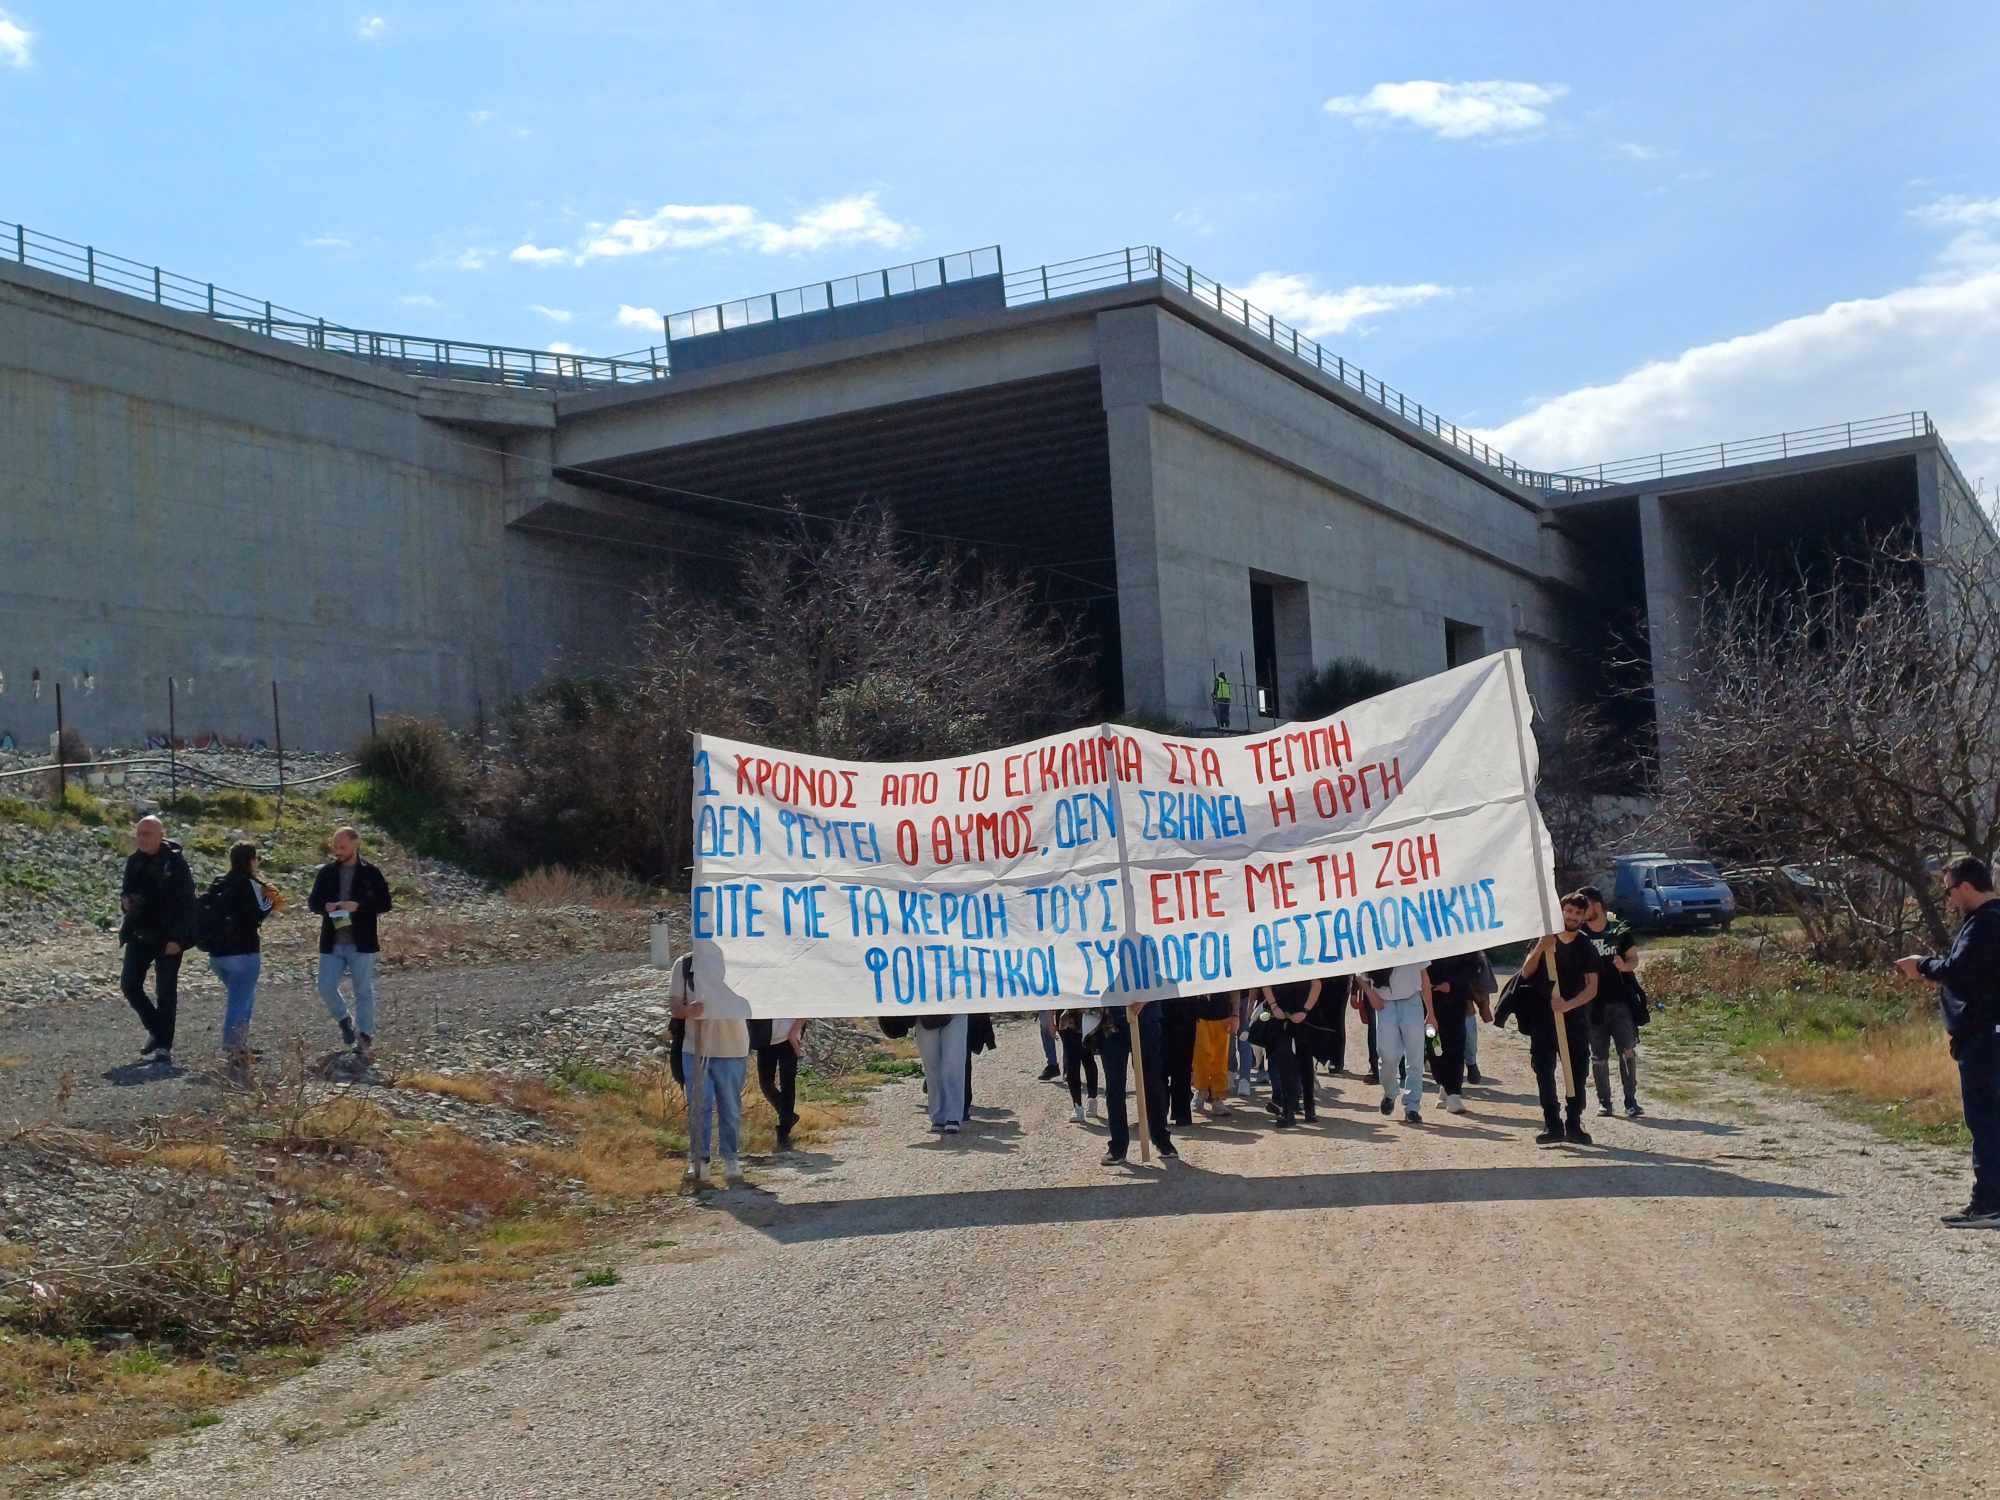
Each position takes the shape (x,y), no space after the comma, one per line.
(1110,865)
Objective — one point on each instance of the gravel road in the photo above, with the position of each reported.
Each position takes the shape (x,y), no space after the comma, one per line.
(1736,1296)
(95,1043)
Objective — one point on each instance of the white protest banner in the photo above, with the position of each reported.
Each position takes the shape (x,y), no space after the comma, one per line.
(1108,865)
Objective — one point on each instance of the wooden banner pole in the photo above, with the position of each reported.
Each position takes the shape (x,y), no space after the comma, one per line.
(1139,1084)
(1562,1018)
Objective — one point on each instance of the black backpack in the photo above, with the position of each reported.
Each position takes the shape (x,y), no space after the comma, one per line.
(211,916)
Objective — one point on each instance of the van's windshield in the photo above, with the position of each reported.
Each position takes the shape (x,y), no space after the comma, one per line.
(1685,875)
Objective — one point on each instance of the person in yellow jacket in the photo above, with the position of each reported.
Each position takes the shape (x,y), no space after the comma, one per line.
(1222,694)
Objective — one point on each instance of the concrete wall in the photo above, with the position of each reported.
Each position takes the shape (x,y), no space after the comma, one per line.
(181,499)
(1222,465)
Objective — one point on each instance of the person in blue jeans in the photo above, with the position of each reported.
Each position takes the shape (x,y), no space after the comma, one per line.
(1968,981)
(717,1063)
(349,894)
(236,954)
(1401,999)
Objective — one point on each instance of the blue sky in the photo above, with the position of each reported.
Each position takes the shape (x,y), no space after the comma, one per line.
(1591,230)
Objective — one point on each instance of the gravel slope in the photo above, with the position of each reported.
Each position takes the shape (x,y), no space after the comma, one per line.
(1739,1297)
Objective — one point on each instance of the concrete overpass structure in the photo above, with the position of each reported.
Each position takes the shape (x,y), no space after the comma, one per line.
(234,494)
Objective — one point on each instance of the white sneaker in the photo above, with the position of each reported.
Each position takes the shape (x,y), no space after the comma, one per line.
(1454,1104)
(692,1176)
(1076,1113)
(1096,1108)
(732,1170)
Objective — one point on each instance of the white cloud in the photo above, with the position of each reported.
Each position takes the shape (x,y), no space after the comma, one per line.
(17,43)
(472,258)
(1638,151)
(419,299)
(553,314)
(1935,345)
(371,28)
(479,116)
(854,220)
(1453,111)
(522,132)
(559,347)
(1194,221)
(535,255)
(647,318)
(325,242)
(1958,211)
(1319,314)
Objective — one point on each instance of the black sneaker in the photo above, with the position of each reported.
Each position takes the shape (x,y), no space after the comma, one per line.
(347,1030)
(1389,1106)
(1285,1122)
(1576,1135)
(1549,1138)
(1169,1153)
(1412,1117)
(1473,1075)
(1962,1218)
(1048,1074)
(164,1057)
(1311,1117)
(1371,1076)
(1112,1159)
(1632,1110)
(152,1045)
(1606,1110)
(1271,1108)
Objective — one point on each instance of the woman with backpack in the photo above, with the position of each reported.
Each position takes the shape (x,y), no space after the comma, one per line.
(231,912)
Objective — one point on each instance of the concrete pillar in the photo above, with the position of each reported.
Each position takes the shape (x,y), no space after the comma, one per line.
(1670,583)
(1141,630)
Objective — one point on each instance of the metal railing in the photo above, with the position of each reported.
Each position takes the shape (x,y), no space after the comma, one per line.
(1150,263)
(435,358)
(1777,445)
(841,291)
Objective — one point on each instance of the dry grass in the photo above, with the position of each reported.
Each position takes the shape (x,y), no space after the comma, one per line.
(452,1176)
(211,1160)
(558,885)
(1904,1066)
(471,1090)
(92,1406)
(13,1060)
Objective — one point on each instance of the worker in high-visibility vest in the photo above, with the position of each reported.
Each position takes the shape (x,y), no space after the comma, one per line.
(1222,696)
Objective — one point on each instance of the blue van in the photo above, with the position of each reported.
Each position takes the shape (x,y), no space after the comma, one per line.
(1661,893)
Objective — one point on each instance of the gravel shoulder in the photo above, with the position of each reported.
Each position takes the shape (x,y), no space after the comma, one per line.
(1736,1296)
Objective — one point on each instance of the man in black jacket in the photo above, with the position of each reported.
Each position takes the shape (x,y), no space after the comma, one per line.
(157,898)
(1968,980)
(349,894)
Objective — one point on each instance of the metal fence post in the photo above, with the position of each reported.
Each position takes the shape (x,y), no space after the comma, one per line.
(1045,281)
(156,285)
(211,299)
(173,765)
(90,263)
(1128,263)
(371,716)
(278,733)
(21,243)
(62,759)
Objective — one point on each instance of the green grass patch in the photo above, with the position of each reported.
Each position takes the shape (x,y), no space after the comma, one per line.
(588,1078)
(415,820)
(598,1276)
(895,1067)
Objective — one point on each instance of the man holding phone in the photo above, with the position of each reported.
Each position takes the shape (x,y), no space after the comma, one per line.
(348,893)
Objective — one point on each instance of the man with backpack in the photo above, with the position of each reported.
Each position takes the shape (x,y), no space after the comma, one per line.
(348,893)
(157,899)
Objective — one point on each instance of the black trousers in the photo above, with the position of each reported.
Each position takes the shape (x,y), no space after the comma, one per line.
(1117,1058)
(157,1014)
(1546,1054)
(1292,1080)
(1177,1028)
(1450,1067)
(1078,1064)
(778,1082)
(1334,1045)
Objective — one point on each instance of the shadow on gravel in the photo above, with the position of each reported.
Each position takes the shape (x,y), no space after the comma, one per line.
(1685,1127)
(136,1074)
(1638,1174)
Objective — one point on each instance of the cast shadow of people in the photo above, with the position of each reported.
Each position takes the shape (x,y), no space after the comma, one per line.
(138,1074)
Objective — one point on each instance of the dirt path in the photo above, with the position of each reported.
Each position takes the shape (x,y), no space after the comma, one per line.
(1735,1297)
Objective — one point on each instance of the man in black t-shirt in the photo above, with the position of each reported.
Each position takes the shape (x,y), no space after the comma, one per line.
(1558,983)
(1614,1019)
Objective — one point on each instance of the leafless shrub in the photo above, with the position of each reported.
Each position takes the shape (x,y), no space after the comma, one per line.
(835,638)
(1845,719)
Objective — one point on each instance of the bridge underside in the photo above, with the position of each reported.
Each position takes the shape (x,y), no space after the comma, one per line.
(1019,473)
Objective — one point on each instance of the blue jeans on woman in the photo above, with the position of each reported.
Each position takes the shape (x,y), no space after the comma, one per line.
(1399,1037)
(238,973)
